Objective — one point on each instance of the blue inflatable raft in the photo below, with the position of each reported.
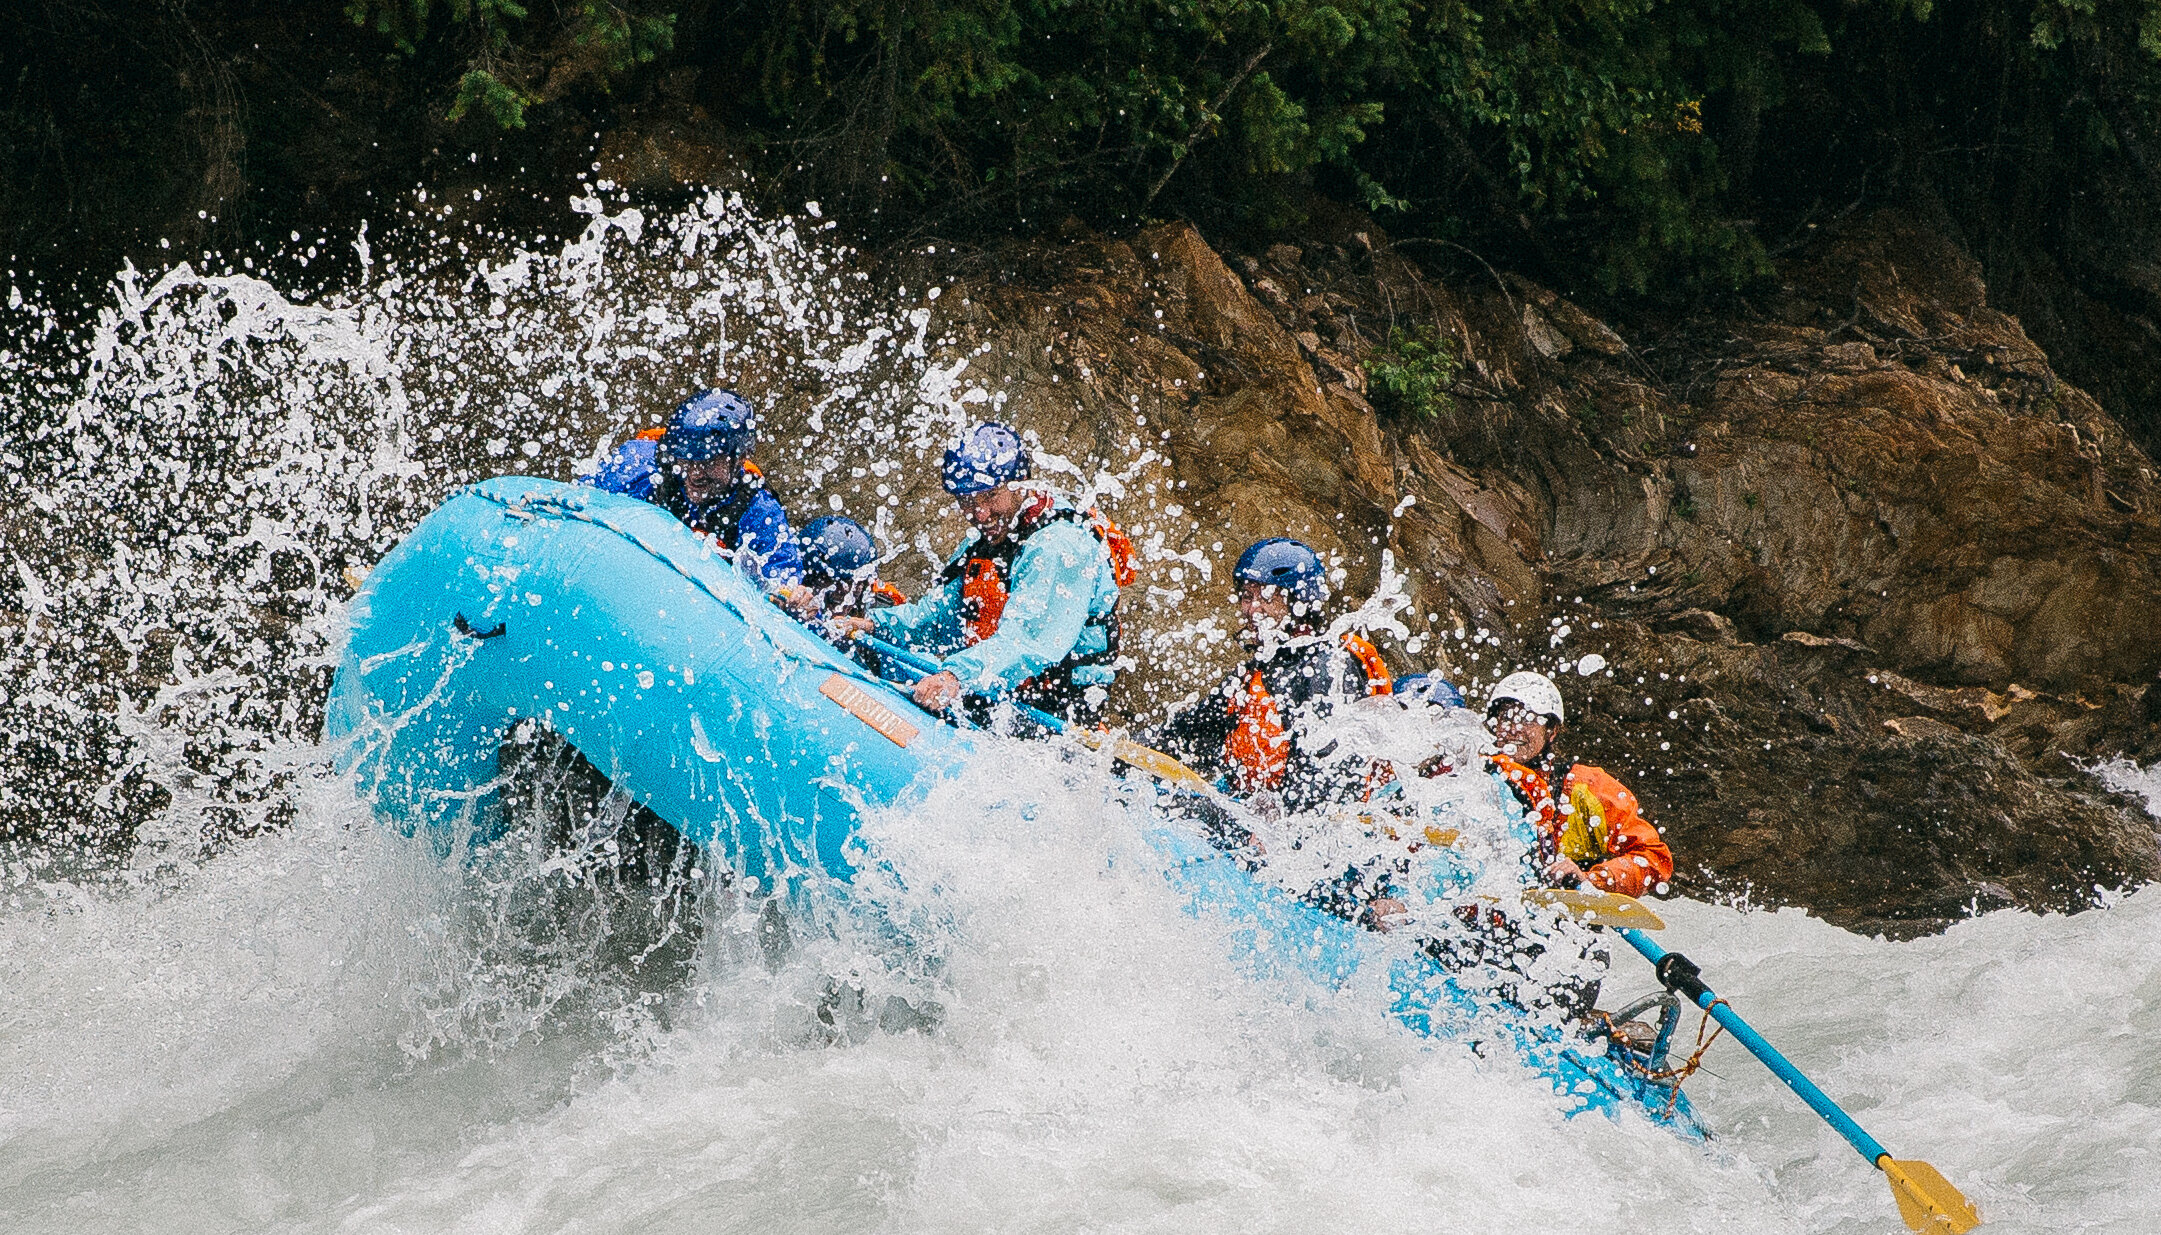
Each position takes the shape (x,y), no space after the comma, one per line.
(631,637)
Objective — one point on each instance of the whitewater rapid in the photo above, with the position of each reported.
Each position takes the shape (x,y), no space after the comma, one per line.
(267,1013)
(272,1041)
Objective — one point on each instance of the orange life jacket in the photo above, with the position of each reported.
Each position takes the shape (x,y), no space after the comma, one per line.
(1603,831)
(1120,546)
(888,593)
(1536,793)
(986,577)
(1258,748)
(983,594)
(1378,679)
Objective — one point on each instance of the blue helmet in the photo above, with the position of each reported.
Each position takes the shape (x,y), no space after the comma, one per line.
(1284,563)
(989,456)
(836,547)
(1428,688)
(711,424)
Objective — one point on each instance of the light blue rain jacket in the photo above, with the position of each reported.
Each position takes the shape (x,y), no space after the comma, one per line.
(1061,579)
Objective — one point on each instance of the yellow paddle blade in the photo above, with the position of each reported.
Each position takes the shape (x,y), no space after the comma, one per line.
(1597,908)
(1154,762)
(1926,1200)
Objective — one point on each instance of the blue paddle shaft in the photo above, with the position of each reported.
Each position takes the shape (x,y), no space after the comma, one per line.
(920,663)
(1817,1100)
(925,666)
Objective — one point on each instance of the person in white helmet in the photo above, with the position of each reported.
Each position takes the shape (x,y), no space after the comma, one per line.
(1591,831)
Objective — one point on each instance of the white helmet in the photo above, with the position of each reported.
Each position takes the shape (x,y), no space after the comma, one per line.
(1534,691)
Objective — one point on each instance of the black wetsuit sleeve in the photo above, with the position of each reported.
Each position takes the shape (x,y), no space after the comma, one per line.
(1196,735)
(1321,678)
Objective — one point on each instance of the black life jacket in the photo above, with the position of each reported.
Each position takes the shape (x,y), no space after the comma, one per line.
(723,520)
(986,578)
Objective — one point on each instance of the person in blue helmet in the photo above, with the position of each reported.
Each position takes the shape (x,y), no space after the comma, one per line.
(1251,728)
(1027,606)
(840,581)
(698,468)
(1419,691)
(840,575)
(1428,689)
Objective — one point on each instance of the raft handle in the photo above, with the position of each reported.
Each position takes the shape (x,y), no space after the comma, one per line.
(466,628)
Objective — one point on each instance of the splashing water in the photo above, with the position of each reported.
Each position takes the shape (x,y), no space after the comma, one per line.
(273,1015)
(200,478)
(235,1050)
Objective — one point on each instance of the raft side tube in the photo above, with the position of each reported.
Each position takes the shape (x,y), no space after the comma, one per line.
(632,637)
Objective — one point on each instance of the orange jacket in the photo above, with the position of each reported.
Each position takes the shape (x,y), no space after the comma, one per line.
(1258,749)
(1618,849)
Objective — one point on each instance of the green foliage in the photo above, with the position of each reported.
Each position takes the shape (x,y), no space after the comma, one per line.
(482,89)
(1007,109)
(1022,110)
(1410,377)
(1617,136)
(513,60)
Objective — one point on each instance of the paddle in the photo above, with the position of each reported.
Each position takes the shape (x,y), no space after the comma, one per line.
(1597,908)
(1585,905)
(1154,762)
(1926,1200)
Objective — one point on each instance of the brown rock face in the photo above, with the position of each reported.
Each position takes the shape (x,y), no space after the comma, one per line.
(1869,577)
(1976,529)
(1867,580)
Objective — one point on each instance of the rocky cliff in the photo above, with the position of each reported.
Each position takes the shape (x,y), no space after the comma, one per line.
(1872,585)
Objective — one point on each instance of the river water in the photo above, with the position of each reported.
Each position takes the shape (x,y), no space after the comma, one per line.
(303,1033)
(274,1015)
